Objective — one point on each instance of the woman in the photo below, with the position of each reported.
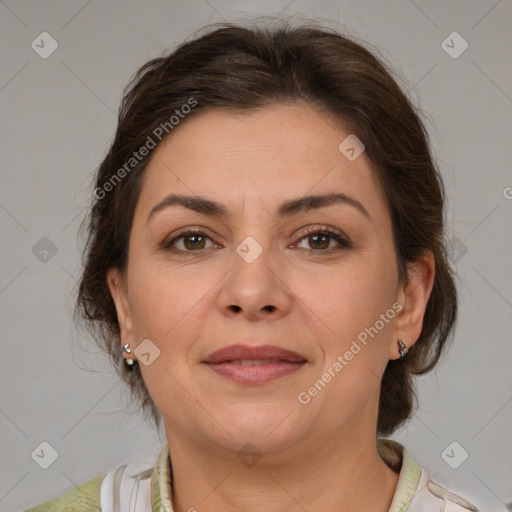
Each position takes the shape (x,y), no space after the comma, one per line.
(266,268)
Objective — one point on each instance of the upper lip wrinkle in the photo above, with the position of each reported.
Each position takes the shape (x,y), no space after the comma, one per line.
(249,352)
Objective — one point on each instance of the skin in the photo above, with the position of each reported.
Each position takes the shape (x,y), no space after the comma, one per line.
(319,456)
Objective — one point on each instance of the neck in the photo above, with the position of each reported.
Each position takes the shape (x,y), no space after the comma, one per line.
(337,472)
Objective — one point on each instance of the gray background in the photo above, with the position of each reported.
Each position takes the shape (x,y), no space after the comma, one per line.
(58,117)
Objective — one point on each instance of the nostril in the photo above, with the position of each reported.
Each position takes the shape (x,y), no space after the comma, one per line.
(269,308)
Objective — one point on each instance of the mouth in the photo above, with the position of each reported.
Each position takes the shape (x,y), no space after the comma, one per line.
(254,365)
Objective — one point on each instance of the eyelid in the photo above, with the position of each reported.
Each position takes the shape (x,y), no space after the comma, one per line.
(315,228)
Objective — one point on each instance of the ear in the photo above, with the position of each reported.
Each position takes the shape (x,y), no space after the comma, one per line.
(413,296)
(118,290)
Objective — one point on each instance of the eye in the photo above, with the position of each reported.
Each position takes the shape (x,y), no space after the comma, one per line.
(319,240)
(190,240)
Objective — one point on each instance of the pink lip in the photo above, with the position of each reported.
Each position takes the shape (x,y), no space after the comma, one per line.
(249,352)
(285,362)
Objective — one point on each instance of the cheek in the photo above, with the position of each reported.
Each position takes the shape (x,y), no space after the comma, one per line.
(167,306)
(355,346)
(351,335)
(348,298)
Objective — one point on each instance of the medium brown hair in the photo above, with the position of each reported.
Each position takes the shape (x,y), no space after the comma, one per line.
(247,67)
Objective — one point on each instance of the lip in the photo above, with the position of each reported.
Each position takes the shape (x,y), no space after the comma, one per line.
(283,362)
(232,352)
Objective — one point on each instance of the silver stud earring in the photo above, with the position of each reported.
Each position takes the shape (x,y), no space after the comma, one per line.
(402,348)
(129,362)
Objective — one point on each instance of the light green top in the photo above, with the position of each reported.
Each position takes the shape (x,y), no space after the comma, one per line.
(86,497)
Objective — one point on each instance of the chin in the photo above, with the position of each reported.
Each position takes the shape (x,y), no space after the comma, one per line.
(256,445)
(270,427)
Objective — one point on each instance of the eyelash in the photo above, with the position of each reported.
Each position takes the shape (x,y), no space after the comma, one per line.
(345,244)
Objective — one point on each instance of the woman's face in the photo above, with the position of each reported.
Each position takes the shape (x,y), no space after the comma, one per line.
(263,273)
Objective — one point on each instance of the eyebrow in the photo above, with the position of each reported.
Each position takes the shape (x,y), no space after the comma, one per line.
(212,208)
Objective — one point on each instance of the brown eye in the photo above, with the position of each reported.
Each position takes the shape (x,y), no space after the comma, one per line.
(189,241)
(193,242)
(321,241)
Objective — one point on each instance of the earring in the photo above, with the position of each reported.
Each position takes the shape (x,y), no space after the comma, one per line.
(129,362)
(402,348)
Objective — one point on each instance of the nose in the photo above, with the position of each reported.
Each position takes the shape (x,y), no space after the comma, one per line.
(255,291)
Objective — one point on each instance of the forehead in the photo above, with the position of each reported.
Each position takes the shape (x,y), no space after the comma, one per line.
(268,154)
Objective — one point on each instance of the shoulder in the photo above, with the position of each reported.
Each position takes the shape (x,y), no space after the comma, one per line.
(83,498)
